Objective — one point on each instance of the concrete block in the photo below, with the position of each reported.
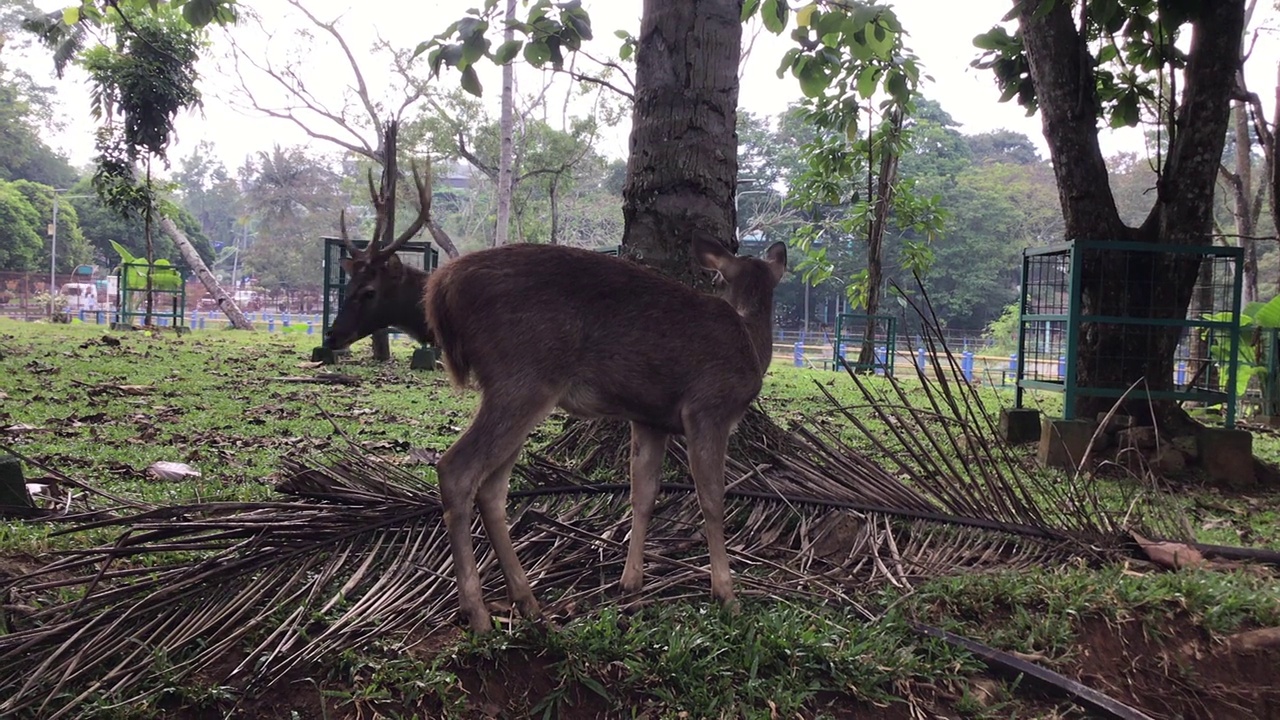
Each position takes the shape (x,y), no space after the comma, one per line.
(1063,442)
(1144,437)
(13,488)
(1227,456)
(1019,425)
(1169,461)
(425,358)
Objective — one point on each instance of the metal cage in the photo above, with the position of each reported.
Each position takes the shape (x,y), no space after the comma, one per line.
(1051,320)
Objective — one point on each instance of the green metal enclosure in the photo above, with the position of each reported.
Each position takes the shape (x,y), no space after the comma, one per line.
(851,333)
(1051,320)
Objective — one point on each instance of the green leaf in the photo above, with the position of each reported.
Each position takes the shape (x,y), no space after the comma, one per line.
(471,81)
(805,14)
(749,8)
(197,13)
(994,39)
(813,78)
(867,81)
(896,84)
(774,14)
(537,53)
(71,15)
(507,51)
(1268,316)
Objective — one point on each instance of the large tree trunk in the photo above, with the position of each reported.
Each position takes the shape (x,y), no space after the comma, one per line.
(506,150)
(1143,285)
(683,169)
(192,258)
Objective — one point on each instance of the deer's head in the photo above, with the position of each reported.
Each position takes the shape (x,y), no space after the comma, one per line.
(381,292)
(746,283)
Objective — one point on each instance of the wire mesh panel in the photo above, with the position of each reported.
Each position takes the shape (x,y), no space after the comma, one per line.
(851,334)
(1139,284)
(420,255)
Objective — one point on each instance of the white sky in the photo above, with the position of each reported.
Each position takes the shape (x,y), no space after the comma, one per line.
(941,33)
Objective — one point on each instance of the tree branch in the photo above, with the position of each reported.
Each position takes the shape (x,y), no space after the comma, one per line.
(362,89)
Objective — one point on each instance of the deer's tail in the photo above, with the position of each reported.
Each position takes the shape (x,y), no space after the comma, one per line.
(445,319)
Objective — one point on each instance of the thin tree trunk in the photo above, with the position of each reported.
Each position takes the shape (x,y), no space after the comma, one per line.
(683,167)
(443,240)
(1243,198)
(555,209)
(506,150)
(151,254)
(883,200)
(211,285)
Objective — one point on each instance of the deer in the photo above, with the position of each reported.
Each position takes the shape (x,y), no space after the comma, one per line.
(381,291)
(536,327)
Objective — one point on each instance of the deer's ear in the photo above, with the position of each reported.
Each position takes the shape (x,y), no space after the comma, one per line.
(711,255)
(348,266)
(776,256)
(392,262)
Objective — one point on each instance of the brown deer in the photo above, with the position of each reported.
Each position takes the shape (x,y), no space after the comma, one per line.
(538,326)
(381,291)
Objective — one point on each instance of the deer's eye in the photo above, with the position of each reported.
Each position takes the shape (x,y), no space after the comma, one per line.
(367,294)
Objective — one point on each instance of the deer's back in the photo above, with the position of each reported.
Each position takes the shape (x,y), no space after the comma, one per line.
(609,337)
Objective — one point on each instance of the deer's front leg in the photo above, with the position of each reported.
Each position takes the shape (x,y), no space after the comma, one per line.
(648,447)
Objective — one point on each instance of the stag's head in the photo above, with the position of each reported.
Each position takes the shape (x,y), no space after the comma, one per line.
(380,290)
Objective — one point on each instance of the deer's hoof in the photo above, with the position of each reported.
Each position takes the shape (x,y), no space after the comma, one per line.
(528,608)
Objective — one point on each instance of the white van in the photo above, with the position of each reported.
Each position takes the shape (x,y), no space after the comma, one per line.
(80,296)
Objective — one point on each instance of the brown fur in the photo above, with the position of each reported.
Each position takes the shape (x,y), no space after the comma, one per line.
(621,339)
(538,326)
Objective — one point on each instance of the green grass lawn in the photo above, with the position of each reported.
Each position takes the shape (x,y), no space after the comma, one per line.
(102,411)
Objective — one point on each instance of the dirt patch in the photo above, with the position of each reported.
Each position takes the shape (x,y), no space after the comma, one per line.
(1179,671)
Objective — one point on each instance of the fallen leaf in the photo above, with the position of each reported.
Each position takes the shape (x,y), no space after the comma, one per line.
(307,365)
(424,456)
(172,471)
(1172,555)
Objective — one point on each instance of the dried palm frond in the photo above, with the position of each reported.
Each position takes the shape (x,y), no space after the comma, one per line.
(356,549)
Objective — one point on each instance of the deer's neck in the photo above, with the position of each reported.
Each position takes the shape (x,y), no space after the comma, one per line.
(758,321)
(410,313)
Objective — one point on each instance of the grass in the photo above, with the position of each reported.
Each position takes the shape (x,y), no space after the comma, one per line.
(103,412)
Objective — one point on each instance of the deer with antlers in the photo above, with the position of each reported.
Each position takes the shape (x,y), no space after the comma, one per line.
(383,292)
(536,327)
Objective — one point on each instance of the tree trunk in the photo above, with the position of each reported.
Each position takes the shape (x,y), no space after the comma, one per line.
(443,240)
(1159,286)
(1243,200)
(506,151)
(883,199)
(207,279)
(683,168)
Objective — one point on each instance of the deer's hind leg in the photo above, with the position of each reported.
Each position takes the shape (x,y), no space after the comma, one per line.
(707,435)
(481,459)
(492,501)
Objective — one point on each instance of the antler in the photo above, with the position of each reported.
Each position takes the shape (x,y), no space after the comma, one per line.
(384,205)
(342,233)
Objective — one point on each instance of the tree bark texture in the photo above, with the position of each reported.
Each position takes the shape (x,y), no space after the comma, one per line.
(1137,284)
(506,149)
(683,168)
(192,258)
